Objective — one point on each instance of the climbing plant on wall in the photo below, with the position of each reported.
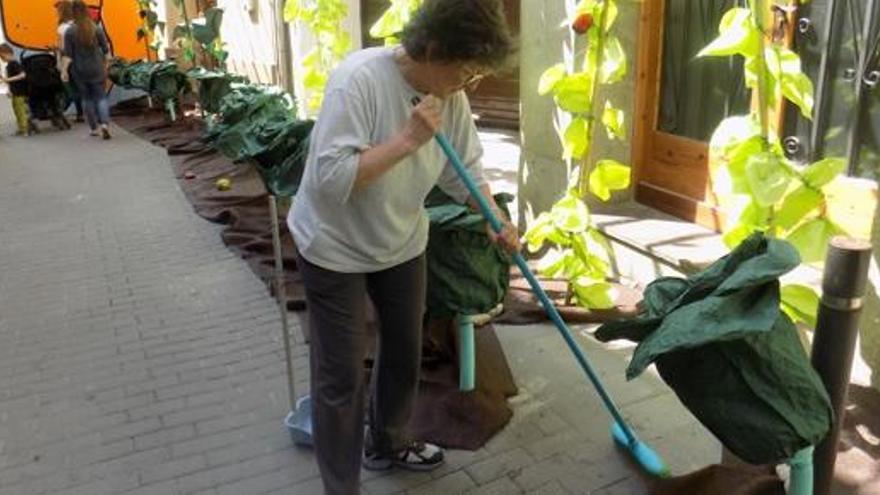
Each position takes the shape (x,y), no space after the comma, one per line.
(392,21)
(761,189)
(146,32)
(183,34)
(579,253)
(323,19)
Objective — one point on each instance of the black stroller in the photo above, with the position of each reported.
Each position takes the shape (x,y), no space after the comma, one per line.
(46,95)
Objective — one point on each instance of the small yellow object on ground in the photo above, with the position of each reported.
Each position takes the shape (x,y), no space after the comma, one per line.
(223,184)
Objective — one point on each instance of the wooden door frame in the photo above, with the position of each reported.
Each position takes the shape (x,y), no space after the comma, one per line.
(670,173)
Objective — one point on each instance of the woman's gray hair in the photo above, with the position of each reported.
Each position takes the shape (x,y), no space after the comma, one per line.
(459,31)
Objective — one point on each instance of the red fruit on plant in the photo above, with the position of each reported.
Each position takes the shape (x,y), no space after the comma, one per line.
(582,24)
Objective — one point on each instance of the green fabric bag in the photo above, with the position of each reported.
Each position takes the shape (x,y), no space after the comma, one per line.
(467,273)
(731,355)
(213,86)
(163,80)
(283,162)
(167,82)
(258,124)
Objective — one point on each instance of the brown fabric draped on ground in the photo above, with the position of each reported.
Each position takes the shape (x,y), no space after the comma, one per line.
(443,415)
(718,479)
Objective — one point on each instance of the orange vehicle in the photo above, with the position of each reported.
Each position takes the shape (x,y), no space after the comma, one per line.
(31,24)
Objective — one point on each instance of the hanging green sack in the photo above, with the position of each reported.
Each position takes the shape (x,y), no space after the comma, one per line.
(731,355)
(467,273)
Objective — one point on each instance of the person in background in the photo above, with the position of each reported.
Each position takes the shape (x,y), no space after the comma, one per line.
(18,90)
(87,50)
(360,225)
(64,11)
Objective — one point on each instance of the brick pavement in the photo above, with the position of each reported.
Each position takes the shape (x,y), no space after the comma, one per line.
(139,356)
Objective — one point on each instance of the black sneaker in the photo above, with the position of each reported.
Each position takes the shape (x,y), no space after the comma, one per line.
(105,132)
(417,456)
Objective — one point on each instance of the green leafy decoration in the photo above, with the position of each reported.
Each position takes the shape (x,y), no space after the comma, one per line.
(613,120)
(768,179)
(738,36)
(573,93)
(818,174)
(800,303)
(392,21)
(550,78)
(753,218)
(610,15)
(614,61)
(592,294)
(570,215)
(323,18)
(581,254)
(607,176)
(574,142)
(797,205)
(796,86)
(812,237)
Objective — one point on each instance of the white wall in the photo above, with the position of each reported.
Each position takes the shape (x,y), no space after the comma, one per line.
(249,33)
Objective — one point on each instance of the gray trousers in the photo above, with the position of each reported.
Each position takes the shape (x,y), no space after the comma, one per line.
(337,333)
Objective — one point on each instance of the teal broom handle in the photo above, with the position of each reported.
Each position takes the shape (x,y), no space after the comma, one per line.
(551,310)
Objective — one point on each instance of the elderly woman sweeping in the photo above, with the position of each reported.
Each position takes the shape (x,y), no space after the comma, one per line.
(360,225)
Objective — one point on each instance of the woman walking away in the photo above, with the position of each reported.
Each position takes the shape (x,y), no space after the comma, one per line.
(359,222)
(86,47)
(64,11)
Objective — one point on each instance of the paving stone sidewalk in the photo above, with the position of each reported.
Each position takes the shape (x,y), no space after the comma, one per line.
(139,356)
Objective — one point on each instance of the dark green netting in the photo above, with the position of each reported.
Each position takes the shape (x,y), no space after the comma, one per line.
(467,273)
(731,355)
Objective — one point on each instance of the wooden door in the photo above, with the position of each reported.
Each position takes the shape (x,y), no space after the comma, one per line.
(670,152)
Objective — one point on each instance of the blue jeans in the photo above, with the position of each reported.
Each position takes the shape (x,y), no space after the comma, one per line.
(94,100)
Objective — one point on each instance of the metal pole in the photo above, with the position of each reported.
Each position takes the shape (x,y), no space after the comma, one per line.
(817,139)
(843,285)
(282,299)
(853,147)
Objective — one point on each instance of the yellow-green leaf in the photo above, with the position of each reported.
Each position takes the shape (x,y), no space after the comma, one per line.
(550,78)
(570,214)
(797,205)
(573,93)
(611,15)
(613,61)
(733,237)
(574,142)
(613,119)
(811,239)
(291,10)
(737,35)
(541,228)
(607,176)
(594,295)
(824,171)
(800,303)
(767,177)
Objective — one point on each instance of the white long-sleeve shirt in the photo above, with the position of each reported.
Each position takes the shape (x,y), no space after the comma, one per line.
(383,224)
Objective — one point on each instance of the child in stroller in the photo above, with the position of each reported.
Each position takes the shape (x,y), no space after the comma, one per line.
(46,95)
